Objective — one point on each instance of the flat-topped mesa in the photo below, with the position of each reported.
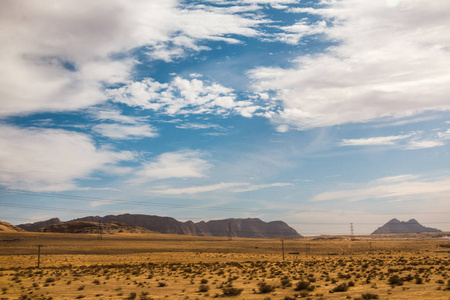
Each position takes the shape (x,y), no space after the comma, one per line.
(396,226)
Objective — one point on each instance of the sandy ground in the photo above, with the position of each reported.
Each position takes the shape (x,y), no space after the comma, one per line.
(156,266)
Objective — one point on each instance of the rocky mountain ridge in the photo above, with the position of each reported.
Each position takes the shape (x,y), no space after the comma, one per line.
(249,228)
(396,226)
(93,227)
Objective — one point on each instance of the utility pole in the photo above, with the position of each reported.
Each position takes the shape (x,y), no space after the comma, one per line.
(229,232)
(39,256)
(351,229)
(282,247)
(99,232)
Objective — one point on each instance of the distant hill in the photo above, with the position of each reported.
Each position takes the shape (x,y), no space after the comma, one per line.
(93,227)
(396,226)
(249,228)
(38,225)
(7,227)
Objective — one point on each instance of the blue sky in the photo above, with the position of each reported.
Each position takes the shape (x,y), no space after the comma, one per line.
(317,113)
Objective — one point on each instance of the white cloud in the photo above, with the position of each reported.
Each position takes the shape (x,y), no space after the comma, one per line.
(199,189)
(423,144)
(50,159)
(398,178)
(115,115)
(183,96)
(388,62)
(399,188)
(181,164)
(262,186)
(374,141)
(197,126)
(294,33)
(118,131)
(235,187)
(59,55)
(411,141)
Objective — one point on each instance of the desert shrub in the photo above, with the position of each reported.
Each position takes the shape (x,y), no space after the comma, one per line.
(395,280)
(286,282)
(289,298)
(203,288)
(132,296)
(81,288)
(50,279)
(343,287)
(368,296)
(231,291)
(204,281)
(265,288)
(96,281)
(304,285)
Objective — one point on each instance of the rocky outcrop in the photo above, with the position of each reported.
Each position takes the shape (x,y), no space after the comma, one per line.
(7,227)
(396,226)
(38,225)
(93,227)
(249,228)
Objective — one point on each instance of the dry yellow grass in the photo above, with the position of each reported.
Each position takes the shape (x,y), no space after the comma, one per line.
(156,266)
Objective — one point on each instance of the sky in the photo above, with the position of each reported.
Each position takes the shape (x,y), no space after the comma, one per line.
(319,113)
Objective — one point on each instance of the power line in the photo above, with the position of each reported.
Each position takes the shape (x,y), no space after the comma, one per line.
(196,207)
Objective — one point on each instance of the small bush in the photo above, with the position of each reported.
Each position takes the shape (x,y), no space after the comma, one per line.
(395,280)
(132,296)
(162,284)
(265,288)
(203,288)
(343,287)
(369,296)
(304,285)
(286,282)
(231,291)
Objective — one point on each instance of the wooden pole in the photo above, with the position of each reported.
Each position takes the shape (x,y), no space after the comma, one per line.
(282,247)
(39,256)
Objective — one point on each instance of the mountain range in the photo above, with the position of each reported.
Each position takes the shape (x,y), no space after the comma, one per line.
(248,228)
(396,226)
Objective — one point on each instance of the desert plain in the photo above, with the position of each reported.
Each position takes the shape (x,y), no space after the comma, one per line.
(161,266)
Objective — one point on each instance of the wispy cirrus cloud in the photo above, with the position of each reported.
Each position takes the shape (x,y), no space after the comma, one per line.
(412,141)
(401,187)
(234,187)
(123,132)
(374,141)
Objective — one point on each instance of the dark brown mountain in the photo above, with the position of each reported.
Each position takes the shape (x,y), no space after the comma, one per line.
(7,227)
(249,228)
(93,227)
(396,226)
(38,225)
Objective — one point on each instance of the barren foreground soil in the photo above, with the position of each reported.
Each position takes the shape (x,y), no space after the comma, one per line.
(156,266)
